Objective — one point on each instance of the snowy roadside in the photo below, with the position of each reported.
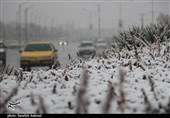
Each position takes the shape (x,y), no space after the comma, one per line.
(57,90)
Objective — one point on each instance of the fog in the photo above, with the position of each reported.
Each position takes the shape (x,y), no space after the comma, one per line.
(79,13)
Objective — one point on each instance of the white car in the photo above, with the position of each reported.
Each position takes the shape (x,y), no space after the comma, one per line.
(101,45)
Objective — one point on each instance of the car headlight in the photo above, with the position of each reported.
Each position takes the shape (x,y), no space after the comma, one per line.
(2,50)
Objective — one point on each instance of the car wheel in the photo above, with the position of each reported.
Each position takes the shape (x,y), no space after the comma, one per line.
(26,68)
(56,64)
(23,67)
(93,55)
(51,64)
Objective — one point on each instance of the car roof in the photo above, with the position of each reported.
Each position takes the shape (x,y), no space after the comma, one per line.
(86,41)
(39,42)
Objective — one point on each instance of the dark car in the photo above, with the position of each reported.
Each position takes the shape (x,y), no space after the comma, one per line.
(86,49)
(2,53)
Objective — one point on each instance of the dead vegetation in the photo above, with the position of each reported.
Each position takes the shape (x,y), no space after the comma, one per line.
(131,60)
(82,100)
(82,97)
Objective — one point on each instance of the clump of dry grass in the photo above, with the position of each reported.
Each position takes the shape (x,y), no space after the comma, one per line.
(121,102)
(70,106)
(54,91)
(152,85)
(19,75)
(3,103)
(82,102)
(6,70)
(136,53)
(109,98)
(130,65)
(139,65)
(2,67)
(167,108)
(148,107)
(32,99)
(74,90)
(41,108)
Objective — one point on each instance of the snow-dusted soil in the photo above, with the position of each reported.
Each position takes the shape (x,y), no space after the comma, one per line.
(59,88)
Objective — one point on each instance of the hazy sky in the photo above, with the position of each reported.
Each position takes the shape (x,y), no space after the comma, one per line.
(77,12)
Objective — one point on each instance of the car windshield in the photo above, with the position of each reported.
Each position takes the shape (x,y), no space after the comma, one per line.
(86,44)
(38,47)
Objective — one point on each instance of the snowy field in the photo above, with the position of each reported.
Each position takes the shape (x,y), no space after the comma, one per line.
(124,82)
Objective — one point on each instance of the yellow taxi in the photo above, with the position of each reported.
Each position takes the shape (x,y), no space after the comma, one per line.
(38,54)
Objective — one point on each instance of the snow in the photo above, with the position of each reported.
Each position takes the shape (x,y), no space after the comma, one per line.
(41,83)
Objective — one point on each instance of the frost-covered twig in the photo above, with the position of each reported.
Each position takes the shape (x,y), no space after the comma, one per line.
(41,108)
(109,98)
(151,82)
(3,103)
(54,89)
(121,102)
(148,107)
(82,101)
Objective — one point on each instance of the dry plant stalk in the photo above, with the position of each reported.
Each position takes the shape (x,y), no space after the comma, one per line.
(82,101)
(6,69)
(151,82)
(54,89)
(121,102)
(167,108)
(109,97)
(148,107)
(130,65)
(136,53)
(122,74)
(2,69)
(153,57)
(42,108)
(32,99)
(70,106)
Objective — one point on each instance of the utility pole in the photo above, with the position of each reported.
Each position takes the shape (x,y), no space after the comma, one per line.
(39,22)
(19,24)
(3,23)
(26,24)
(90,24)
(37,18)
(120,24)
(99,20)
(142,20)
(152,12)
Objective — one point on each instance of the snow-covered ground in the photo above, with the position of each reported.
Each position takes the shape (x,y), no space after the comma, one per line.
(57,90)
